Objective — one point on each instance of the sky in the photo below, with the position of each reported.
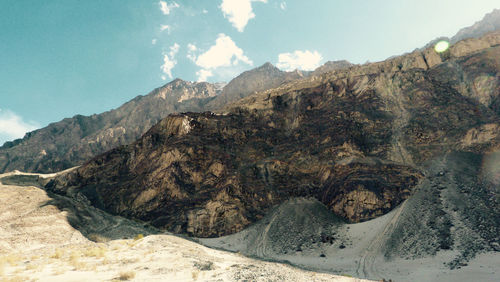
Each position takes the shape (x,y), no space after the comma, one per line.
(59,58)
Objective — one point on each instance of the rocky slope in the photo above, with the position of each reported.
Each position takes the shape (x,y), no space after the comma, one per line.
(355,139)
(489,23)
(264,77)
(74,140)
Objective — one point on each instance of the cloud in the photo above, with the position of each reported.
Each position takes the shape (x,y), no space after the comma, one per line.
(224,53)
(169,61)
(154,41)
(191,54)
(166,8)
(283,6)
(165,27)
(204,11)
(203,75)
(303,60)
(13,127)
(238,12)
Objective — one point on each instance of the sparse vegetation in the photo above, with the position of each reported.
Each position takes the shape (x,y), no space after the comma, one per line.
(194,275)
(126,275)
(138,237)
(58,253)
(97,238)
(97,252)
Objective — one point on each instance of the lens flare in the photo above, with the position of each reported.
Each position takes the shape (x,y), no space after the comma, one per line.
(442,46)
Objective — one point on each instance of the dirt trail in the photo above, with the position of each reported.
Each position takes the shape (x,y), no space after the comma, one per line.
(367,266)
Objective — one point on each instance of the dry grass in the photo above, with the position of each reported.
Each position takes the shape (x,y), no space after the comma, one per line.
(194,275)
(138,237)
(74,260)
(126,275)
(12,259)
(2,267)
(97,252)
(97,238)
(58,254)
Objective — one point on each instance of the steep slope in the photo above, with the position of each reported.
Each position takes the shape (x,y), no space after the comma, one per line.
(264,77)
(357,140)
(72,141)
(489,23)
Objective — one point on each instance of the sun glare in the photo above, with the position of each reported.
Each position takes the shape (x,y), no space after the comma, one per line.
(442,46)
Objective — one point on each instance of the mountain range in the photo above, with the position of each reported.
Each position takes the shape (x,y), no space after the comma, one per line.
(364,169)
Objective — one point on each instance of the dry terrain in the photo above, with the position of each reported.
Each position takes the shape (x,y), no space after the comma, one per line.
(42,239)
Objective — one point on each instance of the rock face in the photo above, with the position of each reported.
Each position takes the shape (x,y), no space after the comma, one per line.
(72,141)
(262,78)
(332,66)
(355,139)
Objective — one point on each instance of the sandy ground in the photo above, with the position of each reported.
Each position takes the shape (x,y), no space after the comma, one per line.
(38,243)
(355,250)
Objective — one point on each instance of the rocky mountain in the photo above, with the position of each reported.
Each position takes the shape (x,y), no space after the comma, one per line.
(332,66)
(359,140)
(262,78)
(489,23)
(74,140)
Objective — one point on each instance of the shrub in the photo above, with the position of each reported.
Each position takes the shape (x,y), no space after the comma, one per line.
(126,275)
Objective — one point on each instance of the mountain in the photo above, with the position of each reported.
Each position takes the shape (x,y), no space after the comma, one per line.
(74,140)
(332,66)
(264,77)
(489,23)
(359,140)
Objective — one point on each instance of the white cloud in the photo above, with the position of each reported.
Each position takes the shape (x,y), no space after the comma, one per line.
(165,27)
(154,41)
(238,12)
(169,61)
(203,75)
(191,52)
(204,11)
(283,5)
(166,8)
(224,53)
(13,127)
(303,60)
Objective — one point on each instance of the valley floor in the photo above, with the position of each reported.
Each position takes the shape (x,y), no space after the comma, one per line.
(38,242)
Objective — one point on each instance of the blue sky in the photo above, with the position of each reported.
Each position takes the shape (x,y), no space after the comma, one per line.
(59,58)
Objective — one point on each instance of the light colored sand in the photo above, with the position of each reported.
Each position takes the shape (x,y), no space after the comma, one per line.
(39,244)
(362,256)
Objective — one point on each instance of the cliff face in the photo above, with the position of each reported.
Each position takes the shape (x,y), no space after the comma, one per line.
(72,141)
(356,139)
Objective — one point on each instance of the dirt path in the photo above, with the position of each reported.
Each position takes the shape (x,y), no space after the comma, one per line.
(367,266)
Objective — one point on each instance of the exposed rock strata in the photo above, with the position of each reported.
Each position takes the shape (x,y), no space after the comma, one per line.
(355,139)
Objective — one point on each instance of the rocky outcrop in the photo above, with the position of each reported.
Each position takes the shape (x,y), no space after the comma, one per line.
(357,140)
(72,141)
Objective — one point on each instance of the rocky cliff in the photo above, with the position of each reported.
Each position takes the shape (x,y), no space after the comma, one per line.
(356,139)
(72,141)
